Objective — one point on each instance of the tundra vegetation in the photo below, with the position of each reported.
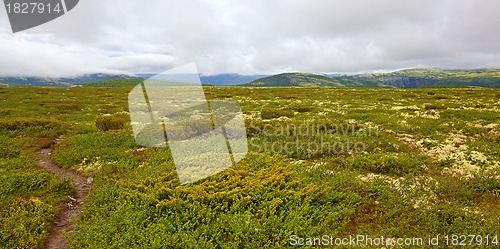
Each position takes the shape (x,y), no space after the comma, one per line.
(426,163)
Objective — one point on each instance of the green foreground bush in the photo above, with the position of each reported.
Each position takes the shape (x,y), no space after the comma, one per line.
(109,122)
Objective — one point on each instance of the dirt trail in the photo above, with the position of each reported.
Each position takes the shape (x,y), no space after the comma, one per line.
(68,210)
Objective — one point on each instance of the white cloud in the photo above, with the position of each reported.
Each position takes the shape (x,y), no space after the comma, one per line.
(260,36)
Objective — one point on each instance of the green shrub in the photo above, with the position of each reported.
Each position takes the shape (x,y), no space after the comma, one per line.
(24,223)
(109,122)
(384,163)
(28,200)
(257,204)
(94,148)
(276,113)
(25,123)
(7,111)
(70,107)
(8,152)
(434,107)
(485,183)
(300,108)
(409,95)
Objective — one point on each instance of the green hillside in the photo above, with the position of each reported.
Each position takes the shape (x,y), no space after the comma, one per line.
(308,79)
(114,83)
(423,77)
(296,79)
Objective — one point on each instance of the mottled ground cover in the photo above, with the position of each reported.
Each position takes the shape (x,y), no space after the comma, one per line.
(322,161)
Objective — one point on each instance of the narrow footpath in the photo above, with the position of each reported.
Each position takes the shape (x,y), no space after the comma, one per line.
(71,208)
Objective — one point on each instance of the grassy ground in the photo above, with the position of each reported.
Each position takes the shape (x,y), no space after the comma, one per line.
(322,161)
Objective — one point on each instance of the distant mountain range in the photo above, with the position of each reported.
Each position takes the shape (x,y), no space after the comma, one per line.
(60,82)
(296,79)
(229,79)
(425,77)
(409,78)
(307,79)
(219,79)
(99,79)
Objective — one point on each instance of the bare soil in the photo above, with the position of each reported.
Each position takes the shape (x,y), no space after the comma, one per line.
(71,208)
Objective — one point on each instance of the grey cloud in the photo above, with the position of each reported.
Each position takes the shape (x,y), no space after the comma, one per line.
(265,36)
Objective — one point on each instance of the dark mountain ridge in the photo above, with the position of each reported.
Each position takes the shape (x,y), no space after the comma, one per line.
(408,78)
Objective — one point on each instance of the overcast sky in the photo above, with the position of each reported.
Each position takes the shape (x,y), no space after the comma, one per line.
(256,37)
